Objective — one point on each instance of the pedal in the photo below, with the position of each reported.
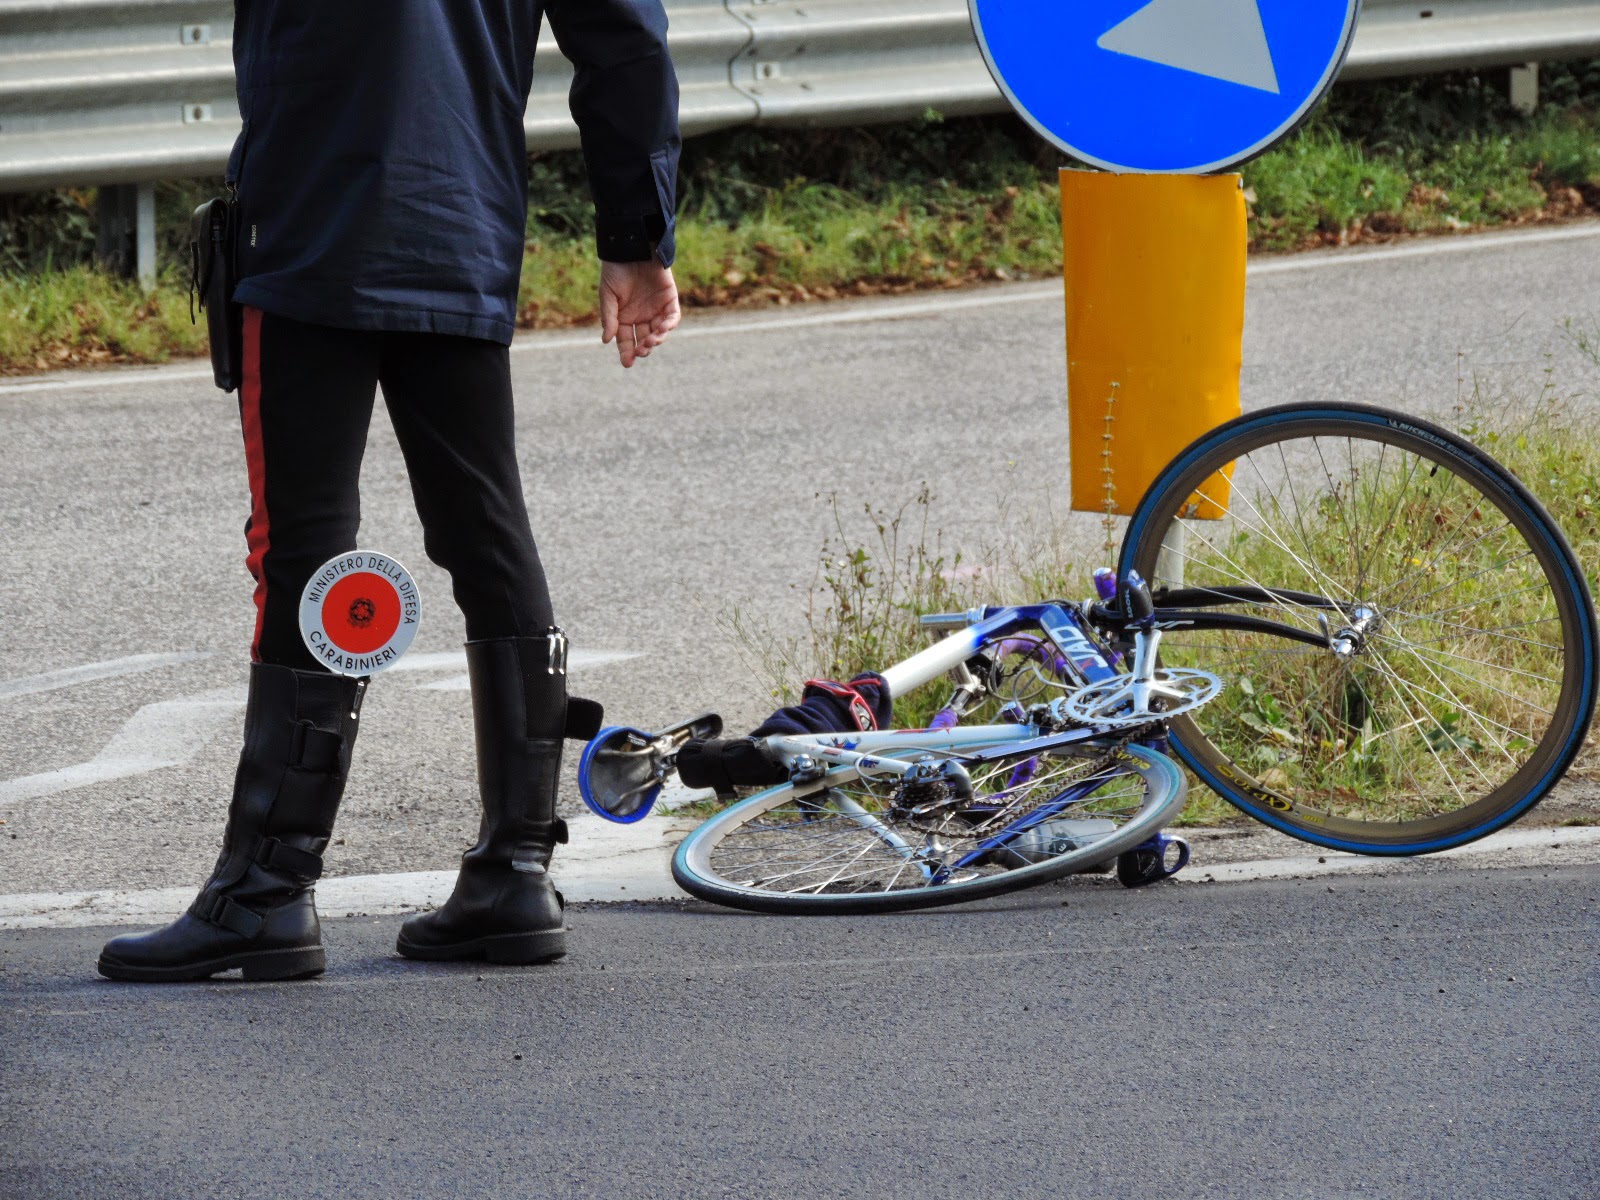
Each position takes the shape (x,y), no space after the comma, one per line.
(622,770)
(1162,857)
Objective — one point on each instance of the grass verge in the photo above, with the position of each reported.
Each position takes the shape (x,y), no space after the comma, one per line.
(780,217)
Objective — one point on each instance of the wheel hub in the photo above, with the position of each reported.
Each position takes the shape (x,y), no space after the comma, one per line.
(1350,641)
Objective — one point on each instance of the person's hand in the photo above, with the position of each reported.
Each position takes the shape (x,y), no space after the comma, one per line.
(638,307)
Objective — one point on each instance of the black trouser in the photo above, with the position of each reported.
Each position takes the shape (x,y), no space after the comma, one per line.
(305,404)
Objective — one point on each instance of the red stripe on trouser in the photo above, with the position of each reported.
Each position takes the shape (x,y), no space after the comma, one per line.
(256,463)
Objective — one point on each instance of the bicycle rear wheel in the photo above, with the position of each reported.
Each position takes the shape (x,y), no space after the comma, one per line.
(847,849)
(1468,680)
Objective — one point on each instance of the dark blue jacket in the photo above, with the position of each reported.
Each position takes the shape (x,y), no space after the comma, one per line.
(382,168)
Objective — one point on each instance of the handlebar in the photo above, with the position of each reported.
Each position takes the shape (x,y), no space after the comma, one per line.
(952,620)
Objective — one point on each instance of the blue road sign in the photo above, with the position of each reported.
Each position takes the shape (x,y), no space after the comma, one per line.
(1190,86)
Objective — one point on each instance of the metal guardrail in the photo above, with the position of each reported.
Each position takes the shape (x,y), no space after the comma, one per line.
(129,91)
(125,91)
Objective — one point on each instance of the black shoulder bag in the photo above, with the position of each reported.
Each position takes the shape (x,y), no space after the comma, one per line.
(213,272)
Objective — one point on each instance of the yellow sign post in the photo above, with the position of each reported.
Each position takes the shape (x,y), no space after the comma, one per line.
(1155,268)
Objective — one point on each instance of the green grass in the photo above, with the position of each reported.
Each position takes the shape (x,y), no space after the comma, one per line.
(817,241)
(876,576)
(786,216)
(1420,725)
(80,316)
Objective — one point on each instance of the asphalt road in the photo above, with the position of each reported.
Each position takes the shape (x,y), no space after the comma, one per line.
(665,499)
(1421,1037)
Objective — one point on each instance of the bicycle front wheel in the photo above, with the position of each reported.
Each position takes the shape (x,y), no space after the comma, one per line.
(854,847)
(1458,677)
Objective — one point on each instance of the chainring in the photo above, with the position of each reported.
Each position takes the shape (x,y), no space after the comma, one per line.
(1109,704)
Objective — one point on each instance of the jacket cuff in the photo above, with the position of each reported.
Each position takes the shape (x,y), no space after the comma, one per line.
(635,239)
(652,234)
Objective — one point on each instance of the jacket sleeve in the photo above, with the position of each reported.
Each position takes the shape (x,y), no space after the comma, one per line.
(625,101)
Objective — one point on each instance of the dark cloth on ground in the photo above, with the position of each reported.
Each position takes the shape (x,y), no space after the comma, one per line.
(825,707)
(726,763)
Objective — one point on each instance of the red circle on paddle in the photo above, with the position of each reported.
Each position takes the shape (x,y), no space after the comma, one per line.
(361,612)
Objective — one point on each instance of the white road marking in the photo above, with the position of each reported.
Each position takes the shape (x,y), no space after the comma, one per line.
(443,660)
(167,734)
(116,377)
(892,309)
(577,660)
(865,312)
(171,733)
(1333,862)
(1426,248)
(134,664)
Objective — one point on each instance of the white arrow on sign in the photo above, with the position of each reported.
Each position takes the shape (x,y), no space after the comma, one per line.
(1222,39)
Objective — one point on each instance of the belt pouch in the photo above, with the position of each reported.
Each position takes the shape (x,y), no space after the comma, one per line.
(213,263)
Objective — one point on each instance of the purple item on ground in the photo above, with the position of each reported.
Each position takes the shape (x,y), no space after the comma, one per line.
(1022,772)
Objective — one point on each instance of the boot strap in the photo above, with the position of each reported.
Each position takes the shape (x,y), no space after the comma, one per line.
(313,749)
(220,910)
(584,718)
(273,855)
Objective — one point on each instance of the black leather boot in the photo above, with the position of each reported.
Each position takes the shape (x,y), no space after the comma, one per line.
(256,912)
(505,908)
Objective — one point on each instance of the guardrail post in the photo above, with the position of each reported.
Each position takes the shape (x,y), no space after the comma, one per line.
(126,241)
(116,219)
(1525,87)
(144,258)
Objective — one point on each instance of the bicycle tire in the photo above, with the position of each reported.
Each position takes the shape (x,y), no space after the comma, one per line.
(1229,509)
(702,862)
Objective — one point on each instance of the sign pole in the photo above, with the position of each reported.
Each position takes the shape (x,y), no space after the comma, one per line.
(1154,267)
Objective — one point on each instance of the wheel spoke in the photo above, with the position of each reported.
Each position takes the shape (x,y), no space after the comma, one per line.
(816,848)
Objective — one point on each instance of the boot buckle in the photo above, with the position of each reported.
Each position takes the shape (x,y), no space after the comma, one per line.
(273,855)
(222,911)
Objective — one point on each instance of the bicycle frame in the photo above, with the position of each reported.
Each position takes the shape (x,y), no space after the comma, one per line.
(1073,634)
(853,754)
(1066,628)
(1083,657)
(1372,716)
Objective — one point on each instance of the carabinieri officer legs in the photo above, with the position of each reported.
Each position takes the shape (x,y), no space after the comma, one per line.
(381,187)
(305,406)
